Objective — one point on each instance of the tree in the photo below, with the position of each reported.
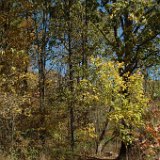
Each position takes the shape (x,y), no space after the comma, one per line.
(133,33)
(71,77)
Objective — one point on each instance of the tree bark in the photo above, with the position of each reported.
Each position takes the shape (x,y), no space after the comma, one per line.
(125,152)
(70,63)
(42,77)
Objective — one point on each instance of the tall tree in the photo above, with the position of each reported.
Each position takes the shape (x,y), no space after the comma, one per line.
(134,34)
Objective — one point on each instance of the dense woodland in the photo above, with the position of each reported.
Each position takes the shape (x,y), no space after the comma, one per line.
(79,79)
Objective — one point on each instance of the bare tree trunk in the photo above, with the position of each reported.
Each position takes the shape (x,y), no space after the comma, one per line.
(70,63)
(42,77)
(101,138)
(100,143)
(84,41)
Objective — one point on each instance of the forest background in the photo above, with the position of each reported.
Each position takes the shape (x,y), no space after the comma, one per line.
(79,79)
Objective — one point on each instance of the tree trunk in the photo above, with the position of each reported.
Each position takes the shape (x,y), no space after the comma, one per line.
(70,63)
(123,153)
(42,78)
(84,41)
(101,138)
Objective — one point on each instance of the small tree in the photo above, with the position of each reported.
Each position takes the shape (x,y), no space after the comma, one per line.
(103,90)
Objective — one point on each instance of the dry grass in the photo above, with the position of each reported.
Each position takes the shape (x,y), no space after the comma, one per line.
(4,158)
(42,157)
